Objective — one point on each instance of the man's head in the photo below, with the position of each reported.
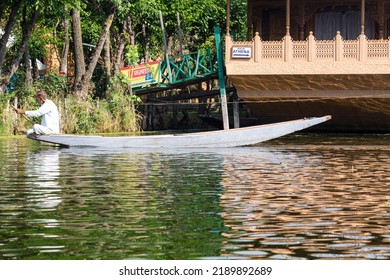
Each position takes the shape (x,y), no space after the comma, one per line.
(40,97)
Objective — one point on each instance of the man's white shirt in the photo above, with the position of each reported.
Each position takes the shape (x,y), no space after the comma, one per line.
(50,116)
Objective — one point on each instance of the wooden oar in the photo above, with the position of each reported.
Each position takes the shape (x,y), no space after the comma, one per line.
(24,116)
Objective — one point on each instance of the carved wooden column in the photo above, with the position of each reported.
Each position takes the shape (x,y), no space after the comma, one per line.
(228,47)
(381,18)
(362,17)
(287,17)
(257,47)
(287,41)
(311,46)
(338,47)
(362,38)
(302,20)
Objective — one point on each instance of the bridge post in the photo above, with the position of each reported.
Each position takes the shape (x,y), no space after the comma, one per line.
(166,48)
(236,112)
(221,78)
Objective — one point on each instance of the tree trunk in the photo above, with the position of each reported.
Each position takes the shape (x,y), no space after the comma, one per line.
(170,44)
(27,27)
(7,32)
(28,68)
(147,43)
(121,41)
(83,85)
(2,9)
(65,49)
(131,31)
(118,58)
(107,58)
(79,60)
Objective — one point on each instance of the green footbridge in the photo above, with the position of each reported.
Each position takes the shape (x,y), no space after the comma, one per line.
(178,72)
(182,70)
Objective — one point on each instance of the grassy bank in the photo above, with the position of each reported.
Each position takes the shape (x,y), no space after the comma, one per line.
(116,112)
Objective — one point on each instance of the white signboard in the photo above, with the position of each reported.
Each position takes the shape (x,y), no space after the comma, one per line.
(241,52)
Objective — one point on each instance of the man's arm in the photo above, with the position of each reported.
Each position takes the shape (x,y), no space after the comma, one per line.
(44,109)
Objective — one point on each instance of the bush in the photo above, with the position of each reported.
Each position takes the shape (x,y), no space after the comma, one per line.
(98,116)
(115,113)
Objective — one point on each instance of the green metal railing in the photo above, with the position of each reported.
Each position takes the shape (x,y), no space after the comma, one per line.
(187,69)
(184,68)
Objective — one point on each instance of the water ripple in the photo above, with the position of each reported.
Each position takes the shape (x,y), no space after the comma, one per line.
(327,200)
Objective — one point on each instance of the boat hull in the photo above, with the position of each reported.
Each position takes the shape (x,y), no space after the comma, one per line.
(221,138)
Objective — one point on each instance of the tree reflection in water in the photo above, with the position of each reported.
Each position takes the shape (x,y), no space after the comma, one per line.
(275,201)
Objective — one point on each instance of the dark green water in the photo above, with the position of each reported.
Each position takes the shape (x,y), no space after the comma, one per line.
(299,197)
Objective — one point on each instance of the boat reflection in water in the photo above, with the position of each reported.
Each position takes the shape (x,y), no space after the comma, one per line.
(307,203)
(288,201)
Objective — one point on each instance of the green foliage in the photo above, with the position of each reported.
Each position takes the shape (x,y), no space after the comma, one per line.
(7,117)
(81,113)
(238,18)
(91,31)
(23,93)
(40,39)
(116,112)
(131,55)
(98,116)
(209,44)
(121,87)
(54,84)
(197,18)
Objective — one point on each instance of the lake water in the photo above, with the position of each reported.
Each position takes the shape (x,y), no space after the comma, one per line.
(299,197)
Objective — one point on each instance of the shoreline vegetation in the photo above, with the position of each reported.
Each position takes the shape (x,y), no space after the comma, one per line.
(114,113)
(74,50)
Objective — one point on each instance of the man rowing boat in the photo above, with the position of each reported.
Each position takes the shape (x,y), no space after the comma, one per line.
(50,122)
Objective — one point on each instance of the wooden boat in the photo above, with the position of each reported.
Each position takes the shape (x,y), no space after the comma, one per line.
(220,138)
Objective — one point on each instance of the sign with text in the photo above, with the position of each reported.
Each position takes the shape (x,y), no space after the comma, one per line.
(143,74)
(241,52)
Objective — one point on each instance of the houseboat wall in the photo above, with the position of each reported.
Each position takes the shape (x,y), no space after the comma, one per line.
(293,77)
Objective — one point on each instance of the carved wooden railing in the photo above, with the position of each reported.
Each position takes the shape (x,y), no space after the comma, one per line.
(311,49)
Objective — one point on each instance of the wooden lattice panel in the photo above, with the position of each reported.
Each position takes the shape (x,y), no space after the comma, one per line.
(272,50)
(378,49)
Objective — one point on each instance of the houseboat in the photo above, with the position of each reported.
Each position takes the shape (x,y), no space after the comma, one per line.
(313,58)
